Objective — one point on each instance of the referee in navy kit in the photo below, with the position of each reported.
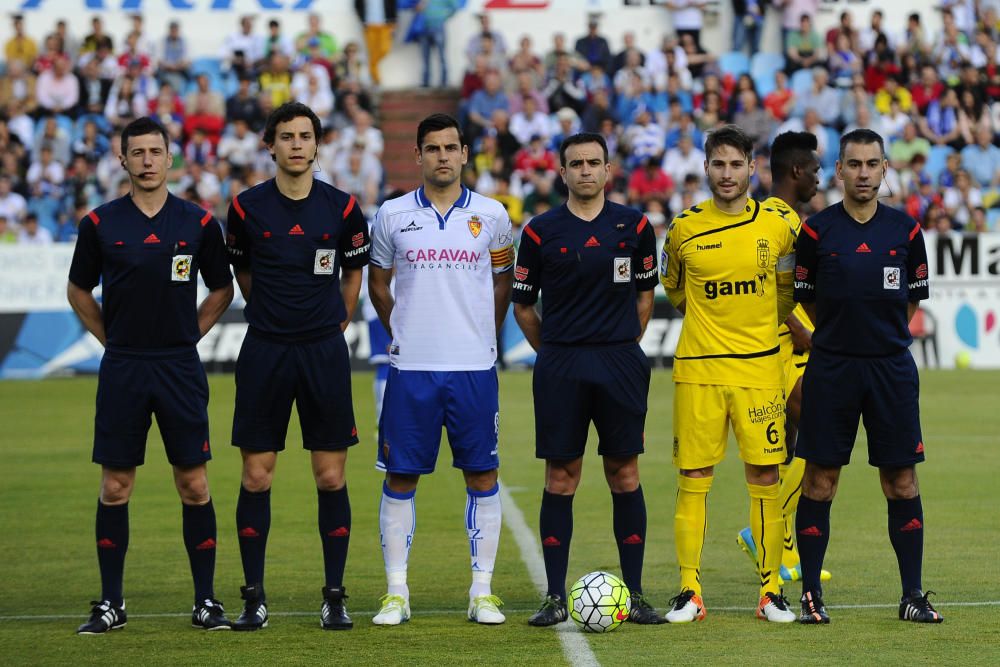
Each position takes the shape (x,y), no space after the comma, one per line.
(594,263)
(861,271)
(147,249)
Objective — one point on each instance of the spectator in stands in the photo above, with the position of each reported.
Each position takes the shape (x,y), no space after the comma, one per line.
(276,79)
(69,44)
(525,83)
(942,124)
(242,50)
(205,109)
(435,14)
(494,59)
(541,198)
(484,102)
(536,158)
(174,62)
(145,83)
(593,47)
(360,174)
(199,149)
(107,63)
(803,48)
(688,17)
(949,175)
(20,47)
(792,12)
(57,89)
(974,114)
(529,122)
(475,43)
(753,119)
(327,43)
(133,57)
(97,38)
(7,234)
(13,205)
(526,60)
(982,159)
(649,183)
(781,101)
(843,63)
(596,112)
(560,50)
(379,20)
(959,201)
(474,78)
(748,25)
(845,26)
(363,129)
(568,124)
(506,195)
(979,223)
(951,48)
(275,42)
(644,138)
(594,79)
(690,194)
(243,105)
(32,233)
(686,158)
(632,68)
(866,119)
(167,107)
(561,89)
(867,37)
(853,99)
(893,91)
(91,144)
(56,138)
(821,98)
(351,70)
(928,89)
(317,95)
(902,150)
(698,59)
(125,103)
(205,183)
(18,84)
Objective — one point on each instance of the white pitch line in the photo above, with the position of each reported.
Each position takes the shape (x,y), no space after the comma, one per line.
(442,612)
(574,644)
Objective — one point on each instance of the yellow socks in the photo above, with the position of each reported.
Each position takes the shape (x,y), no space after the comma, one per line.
(791,490)
(690,523)
(767,526)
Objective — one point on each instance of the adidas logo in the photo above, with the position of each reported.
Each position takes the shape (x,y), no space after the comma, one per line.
(632,539)
(206,545)
(339,532)
(296,231)
(551,541)
(151,239)
(913,525)
(248,532)
(920,448)
(811,531)
(204,447)
(354,431)
(592,242)
(863,248)
(105,543)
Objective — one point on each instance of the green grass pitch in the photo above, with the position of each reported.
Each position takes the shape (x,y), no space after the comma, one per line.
(49,489)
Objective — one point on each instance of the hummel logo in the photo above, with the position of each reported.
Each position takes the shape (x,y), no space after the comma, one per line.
(863,248)
(592,242)
(913,525)
(551,541)
(811,531)
(339,532)
(412,227)
(151,239)
(632,539)
(206,545)
(248,532)
(296,230)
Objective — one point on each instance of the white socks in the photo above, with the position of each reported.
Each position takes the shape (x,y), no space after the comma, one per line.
(396,519)
(482,522)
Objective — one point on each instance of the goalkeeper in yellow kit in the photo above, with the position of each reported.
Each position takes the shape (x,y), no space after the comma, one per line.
(794,172)
(727,265)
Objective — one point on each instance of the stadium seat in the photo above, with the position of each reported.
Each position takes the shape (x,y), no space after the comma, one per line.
(210,66)
(993,219)
(829,161)
(734,63)
(801,82)
(936,161)
(763,67)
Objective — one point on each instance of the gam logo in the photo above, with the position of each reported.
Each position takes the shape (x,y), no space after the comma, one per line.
(716,288)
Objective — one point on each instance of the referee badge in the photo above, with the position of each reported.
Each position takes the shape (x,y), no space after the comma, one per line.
(180,268)
(623,269)
(475,226)
(763,253)
(323,264)
(890,277)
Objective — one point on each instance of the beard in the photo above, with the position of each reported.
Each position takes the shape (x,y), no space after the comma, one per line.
(742,185)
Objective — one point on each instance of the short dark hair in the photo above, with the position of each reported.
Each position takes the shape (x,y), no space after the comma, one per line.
(581,138)
(435,123)
(861,136)
(141,126)
(791,149)
(287,112)
(729,135)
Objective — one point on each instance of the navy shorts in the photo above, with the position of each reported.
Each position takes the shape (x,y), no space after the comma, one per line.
(418,403)
(315,374)
(839,391)
(574,385)
(131,388)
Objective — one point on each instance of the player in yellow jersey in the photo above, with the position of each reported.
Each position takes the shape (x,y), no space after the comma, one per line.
(794,170)
(727,265)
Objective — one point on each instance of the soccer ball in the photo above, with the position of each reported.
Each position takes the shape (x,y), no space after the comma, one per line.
(599,602)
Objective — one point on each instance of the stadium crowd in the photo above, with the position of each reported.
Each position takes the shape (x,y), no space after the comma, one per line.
(935,98)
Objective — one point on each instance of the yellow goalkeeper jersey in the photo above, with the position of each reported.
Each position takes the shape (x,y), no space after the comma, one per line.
(729,268)
(779,206)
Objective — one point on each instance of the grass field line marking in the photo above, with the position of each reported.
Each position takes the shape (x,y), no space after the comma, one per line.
(446,612)
(574,644)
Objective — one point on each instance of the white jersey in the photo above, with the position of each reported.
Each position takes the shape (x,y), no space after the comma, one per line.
(444,316)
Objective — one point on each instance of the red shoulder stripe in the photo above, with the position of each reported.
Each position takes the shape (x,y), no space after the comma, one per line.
(642,225)
(239,209)
(532,235)
(208,216)
(350,207)
(915,230)
(93,216)
(810,231)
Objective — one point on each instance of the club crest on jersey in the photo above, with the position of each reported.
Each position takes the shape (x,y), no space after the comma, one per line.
(763,253)
(623,269)
(323,263)
(180,268)
(890,277)
(475,226)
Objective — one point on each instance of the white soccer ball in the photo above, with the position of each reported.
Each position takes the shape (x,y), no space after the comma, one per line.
(599,602)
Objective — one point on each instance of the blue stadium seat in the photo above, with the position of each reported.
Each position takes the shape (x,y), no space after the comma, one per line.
(734,63)
(829,161)
(992,219)
(936,161)
(801,82)
(210,66)
(763,67)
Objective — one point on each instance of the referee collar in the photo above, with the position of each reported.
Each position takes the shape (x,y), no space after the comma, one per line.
(463,201)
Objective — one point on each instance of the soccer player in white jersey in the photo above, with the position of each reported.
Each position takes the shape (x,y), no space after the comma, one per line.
(451,252)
